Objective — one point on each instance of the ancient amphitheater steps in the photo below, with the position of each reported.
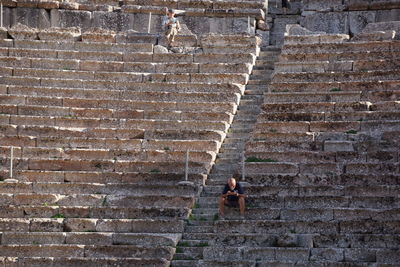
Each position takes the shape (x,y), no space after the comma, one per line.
(100,133)
(322,164)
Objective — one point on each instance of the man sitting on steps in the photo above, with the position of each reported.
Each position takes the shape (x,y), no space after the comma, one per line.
(172,26)
(232,196)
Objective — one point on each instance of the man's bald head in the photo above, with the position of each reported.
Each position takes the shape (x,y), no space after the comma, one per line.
(232,182)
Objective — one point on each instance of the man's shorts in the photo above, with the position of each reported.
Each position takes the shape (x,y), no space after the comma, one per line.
(171,31)
(233,203)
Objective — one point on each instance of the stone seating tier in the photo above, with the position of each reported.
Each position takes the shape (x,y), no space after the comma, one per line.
(100,133)
(322,166)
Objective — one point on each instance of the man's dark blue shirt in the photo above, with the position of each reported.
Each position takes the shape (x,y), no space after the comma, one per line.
(238,189)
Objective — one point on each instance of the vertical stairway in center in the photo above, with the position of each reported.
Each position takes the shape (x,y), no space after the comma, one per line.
(199,230)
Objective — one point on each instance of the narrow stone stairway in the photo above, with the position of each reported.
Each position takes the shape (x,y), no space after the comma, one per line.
(199,230)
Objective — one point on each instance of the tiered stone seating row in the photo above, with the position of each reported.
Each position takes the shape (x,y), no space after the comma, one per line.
(323,163)
(100,133)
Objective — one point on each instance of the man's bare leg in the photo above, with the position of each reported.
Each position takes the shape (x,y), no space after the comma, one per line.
(222,206)
(241,206)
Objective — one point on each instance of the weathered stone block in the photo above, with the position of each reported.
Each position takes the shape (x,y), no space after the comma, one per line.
(46,225)
(113,21)
(197,25)
(292,254)
(89,238)
(20,32)
(335,146)
(7,17)
(71,18)
(321,5)
(80,225)
(222,254)
(357,4)
(360,255)
(57,34)
(271,168)
(375,36)
(40,238)
(327,254)
(14,225)
(332,22)
(388,256)
(25,16)
(122,225)
(358,20)
(387,15)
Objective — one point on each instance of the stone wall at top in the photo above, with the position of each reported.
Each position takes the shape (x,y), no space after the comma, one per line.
(201,17)
(347,16)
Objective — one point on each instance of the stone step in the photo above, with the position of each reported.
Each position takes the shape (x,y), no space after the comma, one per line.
(320,168)
(116,86)
(360,179)
(110,133)
(83,46)
(107,143)
(315,201)
(198,229)
(129,95)
(314,156)
(88,123)
(128,57)
(156,134)
(50,211)
(322,106)
(307,97)
(183,263)
(133,107)
(337,56)
(34,67)
(82,261)
(253,93)
(240,79)
(330,126)
(198,236)
(272,256)
(334,86)
(315,227)
(107,154)
(154,178)
(91,225)
(90,238)
(106,165)
(253,190)
(343,65)
(36,110)
(340,47)
(129,189)
(303,240)
(184,243)
(341,76)
(259,80)
(119,251)
(96,200)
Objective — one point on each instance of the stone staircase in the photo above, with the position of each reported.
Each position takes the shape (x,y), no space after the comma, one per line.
(200,228)
(100,132)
